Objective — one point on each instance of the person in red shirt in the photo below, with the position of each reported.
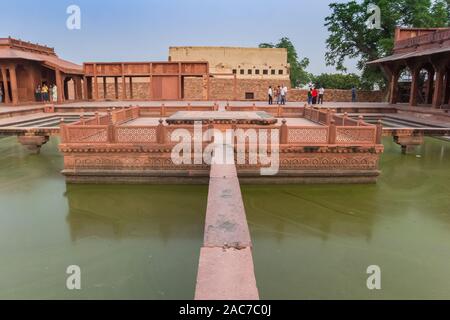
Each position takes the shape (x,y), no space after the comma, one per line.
(314,93)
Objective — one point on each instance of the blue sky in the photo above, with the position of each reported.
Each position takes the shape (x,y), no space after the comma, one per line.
(143,30)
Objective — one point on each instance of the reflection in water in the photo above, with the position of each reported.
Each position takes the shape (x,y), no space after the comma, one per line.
(118,212)
(143,242)
(317,241)
(131,242)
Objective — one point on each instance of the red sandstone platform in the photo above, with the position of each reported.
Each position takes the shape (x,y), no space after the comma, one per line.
(226,274)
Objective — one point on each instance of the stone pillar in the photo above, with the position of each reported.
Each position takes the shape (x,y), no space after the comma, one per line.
(95,83)
(14,87)
(59,85)
(150,88)
(429,87)
(78,88)
(415,71)
(124,84)
(131,87)
(116,88)
(446,94)
(393,87)
(5,85)
(180,85)
(105,89)
(85,89)
(438,90)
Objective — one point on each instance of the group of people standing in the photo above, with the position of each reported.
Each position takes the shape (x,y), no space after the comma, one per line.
(45,94)
(279,93)
(316,96)
(42,93)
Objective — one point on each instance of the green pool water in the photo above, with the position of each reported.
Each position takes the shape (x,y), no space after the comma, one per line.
(143,242)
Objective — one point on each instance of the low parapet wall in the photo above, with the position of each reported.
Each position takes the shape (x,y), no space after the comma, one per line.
(336,95)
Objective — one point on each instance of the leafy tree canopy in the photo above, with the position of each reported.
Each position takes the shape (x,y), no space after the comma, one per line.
(298,72)
(337,81)
(350,38)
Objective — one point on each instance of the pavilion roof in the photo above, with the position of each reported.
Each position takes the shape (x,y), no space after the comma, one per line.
(51,61)
(408,55)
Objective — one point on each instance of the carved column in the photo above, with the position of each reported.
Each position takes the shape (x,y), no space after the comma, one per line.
(5,85)
(14,87)
(438,90)
(124,84)
(116,88)
(446,94)
(78,89)
(95,84)
(439,64)
(105,89)
(394,74)
(131,87)
(415,71)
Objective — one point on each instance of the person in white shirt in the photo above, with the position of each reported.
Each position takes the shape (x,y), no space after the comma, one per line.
(285,90)
(270,93)
(321,93)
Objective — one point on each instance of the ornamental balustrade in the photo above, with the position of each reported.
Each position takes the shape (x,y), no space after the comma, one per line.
(333,130)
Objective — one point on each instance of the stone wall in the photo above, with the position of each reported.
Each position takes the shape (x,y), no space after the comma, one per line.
(231,89)
(335,95)
(140,91)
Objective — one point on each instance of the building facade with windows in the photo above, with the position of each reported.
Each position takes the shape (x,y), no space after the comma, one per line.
(245,63)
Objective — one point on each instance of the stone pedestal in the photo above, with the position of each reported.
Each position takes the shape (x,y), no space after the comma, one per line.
(408,143)
(33,143)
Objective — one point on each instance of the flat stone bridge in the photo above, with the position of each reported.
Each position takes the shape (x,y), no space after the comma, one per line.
(226,264)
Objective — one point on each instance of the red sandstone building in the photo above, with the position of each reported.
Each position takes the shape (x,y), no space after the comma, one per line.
(419,69)
(25,65)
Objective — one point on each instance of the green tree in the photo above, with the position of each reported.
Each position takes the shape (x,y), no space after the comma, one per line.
(337,81)
(298,73)
(350,38)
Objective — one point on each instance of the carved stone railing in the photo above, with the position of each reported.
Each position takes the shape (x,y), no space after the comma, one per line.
(331,135)
(333,130)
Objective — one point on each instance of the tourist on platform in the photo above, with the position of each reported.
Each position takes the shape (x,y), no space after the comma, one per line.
(38,93)
(270,94)
(353,94)
(310,96)
(55,93)
(285,89)
(1,95)
(314,94)
(279,93)
(321,93)
(283,96)
(45,96)
(50,93)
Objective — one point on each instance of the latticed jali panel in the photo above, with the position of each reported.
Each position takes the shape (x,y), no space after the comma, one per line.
(136,134)
(87,134)
(308,135)
(355,135)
